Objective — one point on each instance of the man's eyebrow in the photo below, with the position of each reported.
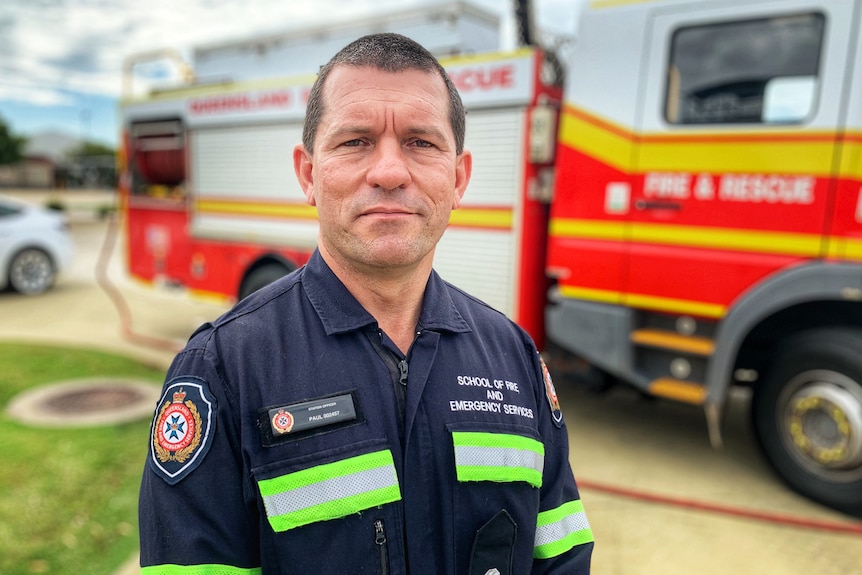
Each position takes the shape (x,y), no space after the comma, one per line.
(427,131)
(355,130)
(349,130)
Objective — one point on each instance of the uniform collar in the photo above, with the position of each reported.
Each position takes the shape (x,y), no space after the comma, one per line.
(340,312)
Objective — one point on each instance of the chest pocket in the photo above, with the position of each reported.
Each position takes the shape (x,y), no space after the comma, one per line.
(498,469)
(498,454)
(337,483)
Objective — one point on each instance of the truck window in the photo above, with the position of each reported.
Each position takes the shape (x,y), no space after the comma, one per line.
(747,71)
(157,158)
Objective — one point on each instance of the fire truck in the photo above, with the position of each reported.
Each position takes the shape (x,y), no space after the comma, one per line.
(681,213)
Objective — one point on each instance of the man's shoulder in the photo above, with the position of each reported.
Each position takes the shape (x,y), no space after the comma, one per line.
(459,296)
(264,301)
(247,323)
(479,313)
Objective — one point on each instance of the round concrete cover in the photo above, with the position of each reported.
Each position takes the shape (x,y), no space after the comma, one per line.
(85,403)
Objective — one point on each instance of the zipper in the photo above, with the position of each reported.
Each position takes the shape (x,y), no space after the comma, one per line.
(402,372)
(380,541)
(397,369)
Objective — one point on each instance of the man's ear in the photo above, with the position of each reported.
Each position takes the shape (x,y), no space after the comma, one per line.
(463,171)
(302,165)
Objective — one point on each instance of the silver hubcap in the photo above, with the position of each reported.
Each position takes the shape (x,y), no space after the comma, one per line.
(821,419)
(31,272)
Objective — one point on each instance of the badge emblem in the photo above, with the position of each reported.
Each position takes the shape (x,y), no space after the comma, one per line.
(178,431)
(551,393)
(282,422)
(181,430)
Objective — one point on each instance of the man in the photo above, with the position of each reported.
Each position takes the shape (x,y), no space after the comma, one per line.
(329,423)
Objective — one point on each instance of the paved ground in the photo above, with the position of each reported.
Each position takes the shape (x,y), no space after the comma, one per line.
(619,440)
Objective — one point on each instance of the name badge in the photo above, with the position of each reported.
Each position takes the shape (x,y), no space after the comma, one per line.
(286,421)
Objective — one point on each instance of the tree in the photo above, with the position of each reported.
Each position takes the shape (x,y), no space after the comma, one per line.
(11,145)
(93,165)
(88,149)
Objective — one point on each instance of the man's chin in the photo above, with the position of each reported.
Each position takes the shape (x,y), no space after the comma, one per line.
(394,255)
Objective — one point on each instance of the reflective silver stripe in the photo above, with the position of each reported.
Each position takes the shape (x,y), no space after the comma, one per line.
(561,529)
(466,455)
(329,490)
(553,532)
(500,457)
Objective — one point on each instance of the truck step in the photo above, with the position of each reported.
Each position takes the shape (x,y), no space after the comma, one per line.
(678,390)
(693,344)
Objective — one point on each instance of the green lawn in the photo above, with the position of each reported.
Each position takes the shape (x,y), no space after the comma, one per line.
(68,497)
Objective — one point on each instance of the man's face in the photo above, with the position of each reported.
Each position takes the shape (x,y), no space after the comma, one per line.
(384,174)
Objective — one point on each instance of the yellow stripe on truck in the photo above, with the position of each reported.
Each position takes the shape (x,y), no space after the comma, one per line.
(482,218)
(491,218)
(807,156)
(786,151)
(703,309)
(607,142)
(757,241)
(270,210)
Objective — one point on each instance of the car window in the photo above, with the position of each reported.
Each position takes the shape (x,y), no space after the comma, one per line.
(9,210)
(749,71)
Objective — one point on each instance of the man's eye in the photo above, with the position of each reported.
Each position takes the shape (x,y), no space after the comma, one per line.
(422,144)
(353,143)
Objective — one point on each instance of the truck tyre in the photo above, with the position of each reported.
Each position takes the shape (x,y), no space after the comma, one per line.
(808,416)
(262,276)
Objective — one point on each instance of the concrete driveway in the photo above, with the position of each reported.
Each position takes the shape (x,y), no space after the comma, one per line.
(661,501)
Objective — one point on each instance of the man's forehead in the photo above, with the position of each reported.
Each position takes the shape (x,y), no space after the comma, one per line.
(345,78)
(351,92)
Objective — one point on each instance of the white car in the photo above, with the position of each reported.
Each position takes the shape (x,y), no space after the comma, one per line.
(35,246)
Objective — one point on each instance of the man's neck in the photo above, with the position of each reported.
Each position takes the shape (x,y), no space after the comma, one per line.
(392,297)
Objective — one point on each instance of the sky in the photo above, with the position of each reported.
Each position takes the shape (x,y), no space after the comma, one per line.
(61,61)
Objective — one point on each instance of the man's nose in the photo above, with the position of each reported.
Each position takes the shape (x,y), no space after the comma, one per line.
(388,168)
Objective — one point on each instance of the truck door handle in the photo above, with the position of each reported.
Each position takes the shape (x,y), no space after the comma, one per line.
(643,205)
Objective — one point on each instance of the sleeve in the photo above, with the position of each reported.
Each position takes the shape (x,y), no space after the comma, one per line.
(196,514)
(564,539)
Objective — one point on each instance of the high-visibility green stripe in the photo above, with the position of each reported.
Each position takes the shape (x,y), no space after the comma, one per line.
(499,457)
(498,474)
(559,530)
(323,472)
(554,515)
(330,491)
(480,439)
(563,545)
(198,570)
(335,509)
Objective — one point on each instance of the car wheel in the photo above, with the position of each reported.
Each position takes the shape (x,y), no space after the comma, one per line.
(31,271)
(261,277)
(808,416)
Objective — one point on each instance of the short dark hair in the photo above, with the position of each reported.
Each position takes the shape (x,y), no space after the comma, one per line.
(390,53)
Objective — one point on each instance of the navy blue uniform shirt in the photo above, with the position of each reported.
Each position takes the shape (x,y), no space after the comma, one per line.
(294,437)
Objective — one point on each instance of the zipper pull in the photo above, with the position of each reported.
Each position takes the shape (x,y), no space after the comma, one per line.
(402,369)
(379,534)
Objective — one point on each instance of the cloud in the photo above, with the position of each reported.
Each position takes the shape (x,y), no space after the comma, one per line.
(68,54)
(35,95)
(80,45)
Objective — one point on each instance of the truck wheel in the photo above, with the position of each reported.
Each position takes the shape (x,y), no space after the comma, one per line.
(262,276)
(808,416)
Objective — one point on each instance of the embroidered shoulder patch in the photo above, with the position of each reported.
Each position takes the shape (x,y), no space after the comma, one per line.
(551,393)
(182,428)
